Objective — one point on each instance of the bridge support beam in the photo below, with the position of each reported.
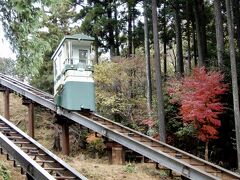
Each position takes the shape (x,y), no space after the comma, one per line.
(31,119)
(29,177)
(6,104)
(116,153)
(30,105)
(64,123)
(65,139)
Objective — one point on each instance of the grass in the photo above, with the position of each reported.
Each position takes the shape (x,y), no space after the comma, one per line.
(95,169)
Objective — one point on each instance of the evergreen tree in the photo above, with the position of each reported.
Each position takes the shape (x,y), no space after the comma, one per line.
(147,58)
(219,31)
(229,8)
(161,116)
(180,65)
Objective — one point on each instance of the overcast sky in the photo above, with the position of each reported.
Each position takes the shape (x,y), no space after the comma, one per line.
(5,50)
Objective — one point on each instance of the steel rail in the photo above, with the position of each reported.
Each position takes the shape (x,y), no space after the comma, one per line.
(178,152)
(25,85)
(28,164)
(25,138)
(147,151)
(154,152)
(179,161)
(26,92)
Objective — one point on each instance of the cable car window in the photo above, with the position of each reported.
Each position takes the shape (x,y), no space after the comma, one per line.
(55,68)
(59,61)
(83,55)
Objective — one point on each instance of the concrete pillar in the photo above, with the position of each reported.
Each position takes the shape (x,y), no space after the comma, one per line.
(31,119)
(65,138)
(6,104)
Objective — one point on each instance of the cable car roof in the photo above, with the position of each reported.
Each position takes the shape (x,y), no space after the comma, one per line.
(79,37)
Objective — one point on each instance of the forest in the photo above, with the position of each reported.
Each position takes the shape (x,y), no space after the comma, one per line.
(171,72)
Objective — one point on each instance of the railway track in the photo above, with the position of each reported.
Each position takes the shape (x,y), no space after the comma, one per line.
(33,158)
(179,161)
(192,161)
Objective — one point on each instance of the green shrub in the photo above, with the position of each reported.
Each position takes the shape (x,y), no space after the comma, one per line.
(95,146)
(4,172)
(129,168)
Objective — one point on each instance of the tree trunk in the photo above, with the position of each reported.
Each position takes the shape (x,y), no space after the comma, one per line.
(96,50)
(188,39)
(198,14)
(174,60)
(165,59)
(234,76)
(147,59)
(180,66)
(133,29)
(194,42)
(110,30)
(206,151)
(164,42)
(161,117)
(219,32)
(203,23)
(237,20)
(117,52)
(129,29)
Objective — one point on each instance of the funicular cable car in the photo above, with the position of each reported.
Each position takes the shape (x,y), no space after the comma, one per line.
(73,81)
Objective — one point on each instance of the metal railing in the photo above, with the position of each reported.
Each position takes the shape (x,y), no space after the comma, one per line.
(81,64)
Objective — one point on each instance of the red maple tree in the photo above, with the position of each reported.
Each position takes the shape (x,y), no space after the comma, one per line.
(198,96)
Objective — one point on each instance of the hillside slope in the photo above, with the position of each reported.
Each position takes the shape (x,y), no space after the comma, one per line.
(96,169)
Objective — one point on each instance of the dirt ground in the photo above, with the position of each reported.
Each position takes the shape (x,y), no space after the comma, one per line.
(95,169)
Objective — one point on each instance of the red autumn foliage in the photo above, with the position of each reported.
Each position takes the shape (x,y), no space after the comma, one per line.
(149,122)
(198,97)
